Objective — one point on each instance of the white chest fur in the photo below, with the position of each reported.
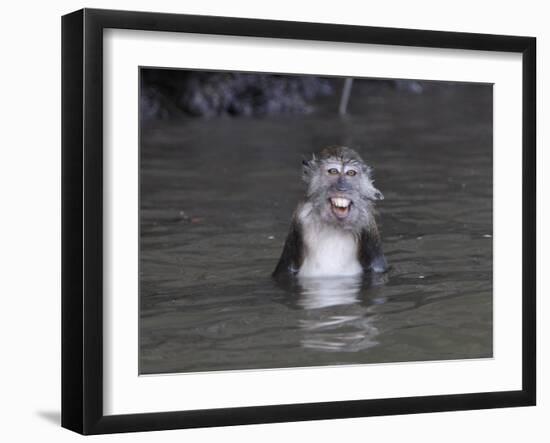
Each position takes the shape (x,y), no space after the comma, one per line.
(329,252)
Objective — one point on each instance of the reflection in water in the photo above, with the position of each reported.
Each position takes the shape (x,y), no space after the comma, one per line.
(317,293)
(347,326)
(215,204)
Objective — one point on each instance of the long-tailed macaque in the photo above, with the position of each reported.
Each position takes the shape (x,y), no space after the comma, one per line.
(333,231)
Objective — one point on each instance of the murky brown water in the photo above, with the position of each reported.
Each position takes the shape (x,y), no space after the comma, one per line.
(216,200)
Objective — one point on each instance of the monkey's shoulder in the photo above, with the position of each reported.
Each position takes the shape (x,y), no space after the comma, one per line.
(371,255)
(293,250)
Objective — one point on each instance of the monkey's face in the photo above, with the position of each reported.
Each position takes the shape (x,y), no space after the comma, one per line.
(341,191)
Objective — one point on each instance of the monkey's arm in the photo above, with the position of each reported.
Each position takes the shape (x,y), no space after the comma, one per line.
(292,255)
(371,255)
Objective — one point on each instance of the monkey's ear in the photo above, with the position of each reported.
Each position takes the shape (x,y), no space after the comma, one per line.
(377,195)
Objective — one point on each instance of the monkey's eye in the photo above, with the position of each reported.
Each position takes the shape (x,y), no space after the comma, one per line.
(351,173)
(333,171)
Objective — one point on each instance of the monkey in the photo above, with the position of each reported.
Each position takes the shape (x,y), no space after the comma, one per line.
(333,231)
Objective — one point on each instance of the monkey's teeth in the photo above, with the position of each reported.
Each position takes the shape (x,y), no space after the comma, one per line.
(340,202)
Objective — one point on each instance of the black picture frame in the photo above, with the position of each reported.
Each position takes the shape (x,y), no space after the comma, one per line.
(82,219)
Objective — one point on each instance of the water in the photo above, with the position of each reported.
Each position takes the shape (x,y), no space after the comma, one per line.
(216,199)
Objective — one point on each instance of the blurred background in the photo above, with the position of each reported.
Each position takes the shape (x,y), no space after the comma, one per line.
(171,93)
(220,165)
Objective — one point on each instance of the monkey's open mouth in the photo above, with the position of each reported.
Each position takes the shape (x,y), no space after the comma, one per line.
(340,206)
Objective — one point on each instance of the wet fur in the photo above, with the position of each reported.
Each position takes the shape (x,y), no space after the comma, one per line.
(317,245)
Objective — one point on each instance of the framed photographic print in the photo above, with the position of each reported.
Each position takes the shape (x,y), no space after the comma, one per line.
(269,221)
